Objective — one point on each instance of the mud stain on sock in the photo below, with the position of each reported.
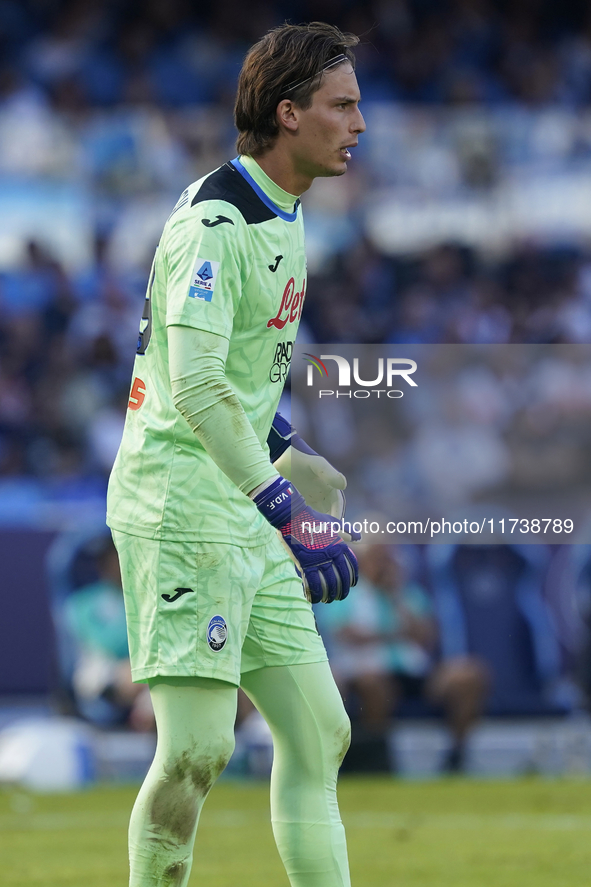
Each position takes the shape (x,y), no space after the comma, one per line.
(174,874)
(178,798)
(343,738)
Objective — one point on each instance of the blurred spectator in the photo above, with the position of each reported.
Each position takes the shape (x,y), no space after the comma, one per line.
(464,219)
(382,641)
(459,51)
(102,683)
(567,590)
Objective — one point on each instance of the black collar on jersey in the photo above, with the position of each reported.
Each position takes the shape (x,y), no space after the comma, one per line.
(228,184)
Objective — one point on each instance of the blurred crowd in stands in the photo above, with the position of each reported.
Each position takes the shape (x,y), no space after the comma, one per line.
(464,218)
(503,431)
(456,631)
(67,343)
(108,110)
(182,52)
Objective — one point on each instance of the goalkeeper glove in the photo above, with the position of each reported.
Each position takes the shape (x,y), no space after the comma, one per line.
(318,481)
(327,565)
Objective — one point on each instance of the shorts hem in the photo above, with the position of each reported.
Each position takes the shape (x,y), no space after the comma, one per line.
(143,675)
(310,659)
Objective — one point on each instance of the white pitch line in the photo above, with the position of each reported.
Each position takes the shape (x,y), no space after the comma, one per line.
(468,821)
(61,821)
(366,819)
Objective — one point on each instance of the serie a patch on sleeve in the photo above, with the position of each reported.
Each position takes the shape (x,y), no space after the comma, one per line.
(203,279)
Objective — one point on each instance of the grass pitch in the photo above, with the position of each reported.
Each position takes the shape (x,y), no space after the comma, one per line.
(449,833)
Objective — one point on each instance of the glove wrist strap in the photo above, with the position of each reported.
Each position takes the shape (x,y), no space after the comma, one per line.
(279,503)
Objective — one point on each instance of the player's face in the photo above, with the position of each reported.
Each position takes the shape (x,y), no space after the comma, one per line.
(330,126)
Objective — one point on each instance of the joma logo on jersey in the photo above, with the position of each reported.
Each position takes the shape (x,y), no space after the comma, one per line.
(281,362)
(291,306)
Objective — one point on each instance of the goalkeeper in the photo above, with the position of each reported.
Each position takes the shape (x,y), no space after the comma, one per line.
(206,524)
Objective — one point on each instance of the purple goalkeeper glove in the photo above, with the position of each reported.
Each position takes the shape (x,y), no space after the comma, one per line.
(327,564)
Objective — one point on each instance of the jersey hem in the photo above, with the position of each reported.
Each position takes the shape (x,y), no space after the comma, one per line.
(188,536)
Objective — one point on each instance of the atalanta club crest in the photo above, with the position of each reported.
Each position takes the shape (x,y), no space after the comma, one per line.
(217,633)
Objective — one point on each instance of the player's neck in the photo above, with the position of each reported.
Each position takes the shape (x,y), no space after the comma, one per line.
(282,169)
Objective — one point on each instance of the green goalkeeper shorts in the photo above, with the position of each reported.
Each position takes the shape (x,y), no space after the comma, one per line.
(205,609)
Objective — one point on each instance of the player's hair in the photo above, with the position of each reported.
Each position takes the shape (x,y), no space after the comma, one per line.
(288,62)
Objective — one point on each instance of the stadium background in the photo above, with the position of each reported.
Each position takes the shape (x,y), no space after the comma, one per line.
(465,217)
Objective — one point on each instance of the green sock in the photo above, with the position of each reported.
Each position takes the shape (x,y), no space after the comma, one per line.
(195,721)
(310,728)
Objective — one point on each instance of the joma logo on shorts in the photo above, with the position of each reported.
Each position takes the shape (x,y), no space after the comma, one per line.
(172,598)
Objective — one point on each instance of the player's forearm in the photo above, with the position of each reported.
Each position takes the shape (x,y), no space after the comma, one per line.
(203,396)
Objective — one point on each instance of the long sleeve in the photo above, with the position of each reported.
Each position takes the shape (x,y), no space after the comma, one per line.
(202,394)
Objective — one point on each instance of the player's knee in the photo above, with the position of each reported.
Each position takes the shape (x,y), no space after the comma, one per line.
(342,736)
(334,739)
(187,780)
(206,767)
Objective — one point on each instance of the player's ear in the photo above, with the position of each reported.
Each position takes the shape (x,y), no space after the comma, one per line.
(287,115)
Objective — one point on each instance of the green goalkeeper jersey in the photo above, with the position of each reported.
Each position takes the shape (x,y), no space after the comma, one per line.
(231,262)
